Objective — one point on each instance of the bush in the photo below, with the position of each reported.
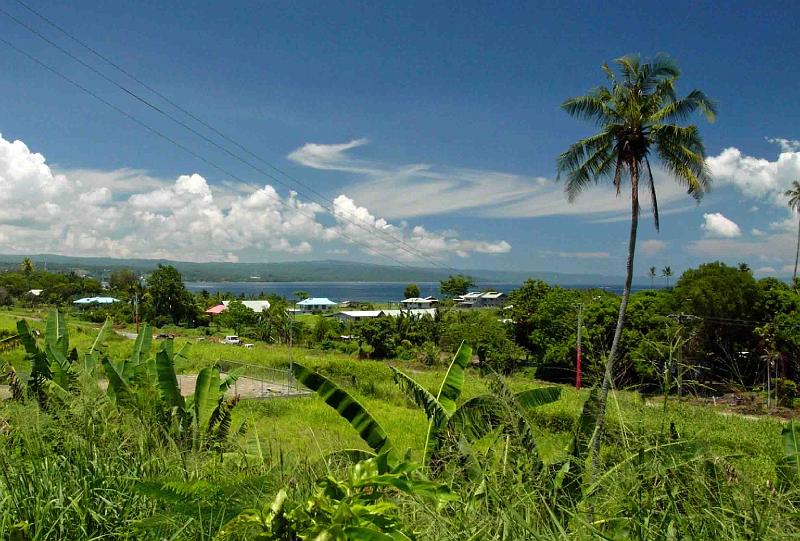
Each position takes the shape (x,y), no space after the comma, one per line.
(787,392)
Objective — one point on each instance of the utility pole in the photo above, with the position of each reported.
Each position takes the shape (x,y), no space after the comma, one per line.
(578,348)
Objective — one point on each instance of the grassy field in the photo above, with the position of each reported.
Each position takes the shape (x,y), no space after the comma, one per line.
(299,427)
(76,472)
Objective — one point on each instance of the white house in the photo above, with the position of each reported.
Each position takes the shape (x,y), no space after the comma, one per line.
(255,306)
(478,299)
(315,304)
(419,303)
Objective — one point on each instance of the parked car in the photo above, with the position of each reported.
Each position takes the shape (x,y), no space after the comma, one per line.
(232,339)
(249,346)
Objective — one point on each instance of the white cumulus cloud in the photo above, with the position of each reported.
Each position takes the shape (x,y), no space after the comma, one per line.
(358,225)
(717,225)
(128,213)
(758,177)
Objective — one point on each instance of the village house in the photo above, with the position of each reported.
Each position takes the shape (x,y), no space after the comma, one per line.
(478,299)
(419,303)
(315,304)
(255,306)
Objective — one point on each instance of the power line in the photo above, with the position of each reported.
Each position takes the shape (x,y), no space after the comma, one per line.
(402,244)
(169,139)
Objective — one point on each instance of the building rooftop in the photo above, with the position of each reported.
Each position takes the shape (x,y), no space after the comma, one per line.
(96,300)
(217,309)
(255,306)
(316,301)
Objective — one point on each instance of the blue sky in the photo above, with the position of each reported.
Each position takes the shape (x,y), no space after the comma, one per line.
(438,124)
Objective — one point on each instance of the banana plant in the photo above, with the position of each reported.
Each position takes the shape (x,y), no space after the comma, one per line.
(203,418)
(53,361)
(788,469)
(362,506)
(131,375)
(348,407)
(476,417)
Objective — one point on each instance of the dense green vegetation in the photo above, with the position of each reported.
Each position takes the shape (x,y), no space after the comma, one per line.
(503,456)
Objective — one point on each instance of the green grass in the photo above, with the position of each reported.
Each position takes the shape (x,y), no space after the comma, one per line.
(302,425)
(80,478)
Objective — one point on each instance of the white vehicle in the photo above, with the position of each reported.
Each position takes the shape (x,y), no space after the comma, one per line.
(249,346)
(232,339)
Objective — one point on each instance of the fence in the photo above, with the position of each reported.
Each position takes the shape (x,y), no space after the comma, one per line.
(262,381)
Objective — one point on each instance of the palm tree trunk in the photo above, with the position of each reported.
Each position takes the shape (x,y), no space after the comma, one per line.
(797,254)
(626,292)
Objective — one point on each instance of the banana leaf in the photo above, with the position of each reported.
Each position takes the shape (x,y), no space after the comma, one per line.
(348,407)
(167,379)
(454,379)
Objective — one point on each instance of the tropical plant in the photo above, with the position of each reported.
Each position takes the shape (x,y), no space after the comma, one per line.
(666,272)
(793,194)
(361,507)
(788,469)
(475,418)
(639,114)
(348,407)
(52,363)
(652,274)
(27,267)
(202,419)
(411,291)
(456,285)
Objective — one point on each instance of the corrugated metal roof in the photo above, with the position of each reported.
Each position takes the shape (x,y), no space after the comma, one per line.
(255,306)
(316,301)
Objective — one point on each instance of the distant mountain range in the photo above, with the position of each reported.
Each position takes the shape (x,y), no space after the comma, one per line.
(301,271)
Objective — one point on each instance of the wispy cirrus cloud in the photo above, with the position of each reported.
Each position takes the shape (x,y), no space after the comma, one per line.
(412,190)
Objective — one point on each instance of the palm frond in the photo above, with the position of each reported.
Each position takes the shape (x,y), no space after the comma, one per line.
(629,66)
(793,194)
(663,66)
(593,106)
(682,109)
(682,153)
(599,155)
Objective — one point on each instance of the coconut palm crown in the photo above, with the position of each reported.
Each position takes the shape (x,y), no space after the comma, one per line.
(793,194)
(640,118)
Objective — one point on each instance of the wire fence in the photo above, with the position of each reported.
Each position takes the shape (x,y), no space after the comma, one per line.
(261,381)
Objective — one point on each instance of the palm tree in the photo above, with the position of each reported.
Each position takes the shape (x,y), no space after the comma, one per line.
(639,114)
(666,272)
(794,203)
(27,267)
(652,274)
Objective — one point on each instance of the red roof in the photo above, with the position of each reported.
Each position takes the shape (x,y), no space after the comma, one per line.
(216,309)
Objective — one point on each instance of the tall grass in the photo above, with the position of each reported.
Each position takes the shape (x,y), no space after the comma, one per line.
(87,470)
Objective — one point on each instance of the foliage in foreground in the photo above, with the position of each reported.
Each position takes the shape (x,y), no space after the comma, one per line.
(94,464)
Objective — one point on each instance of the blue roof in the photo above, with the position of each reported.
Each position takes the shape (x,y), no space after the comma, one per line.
(316,301)
(96,300)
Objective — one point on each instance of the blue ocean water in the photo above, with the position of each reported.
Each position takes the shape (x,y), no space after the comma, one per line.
(353,291)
